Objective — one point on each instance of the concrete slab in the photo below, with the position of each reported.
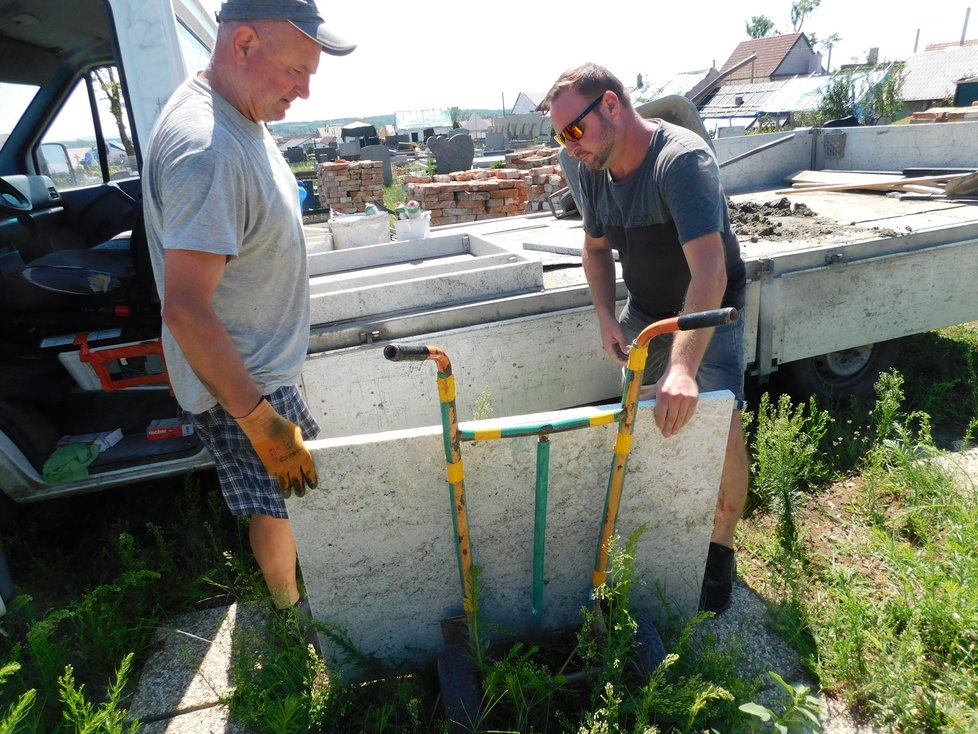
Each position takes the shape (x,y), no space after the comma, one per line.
(185,680)
(375,541)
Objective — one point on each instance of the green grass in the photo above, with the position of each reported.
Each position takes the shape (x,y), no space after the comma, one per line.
(863,547)
(878,584)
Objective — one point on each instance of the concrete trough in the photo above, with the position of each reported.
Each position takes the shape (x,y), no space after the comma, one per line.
(375,540)
(366,281)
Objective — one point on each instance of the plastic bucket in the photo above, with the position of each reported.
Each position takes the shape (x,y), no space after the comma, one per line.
(413,229)
(355,230)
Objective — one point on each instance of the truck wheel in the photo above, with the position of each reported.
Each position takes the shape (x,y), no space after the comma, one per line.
(649,648)
(847,372)
(461,693)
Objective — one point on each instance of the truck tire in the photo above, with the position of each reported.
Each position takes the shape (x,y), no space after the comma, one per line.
(461,693)
(844,373)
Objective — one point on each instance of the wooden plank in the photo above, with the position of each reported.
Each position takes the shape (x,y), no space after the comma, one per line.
(826,178)
(881,185)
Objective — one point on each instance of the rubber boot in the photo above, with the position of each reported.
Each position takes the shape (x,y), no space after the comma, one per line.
(717,579)
(302,614)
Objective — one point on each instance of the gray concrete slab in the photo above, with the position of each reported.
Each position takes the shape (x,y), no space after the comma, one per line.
(376,544)
(184,682)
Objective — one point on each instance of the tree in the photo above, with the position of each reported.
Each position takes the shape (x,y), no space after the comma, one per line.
(456,115)
(112,90)
(800,10)
(760,26)
(882,103)
(838,98)
(871,102)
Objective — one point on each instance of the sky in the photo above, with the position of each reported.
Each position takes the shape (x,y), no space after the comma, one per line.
(482,55)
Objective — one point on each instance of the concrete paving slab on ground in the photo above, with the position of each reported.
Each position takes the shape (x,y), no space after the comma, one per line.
(184,682)
(375,540)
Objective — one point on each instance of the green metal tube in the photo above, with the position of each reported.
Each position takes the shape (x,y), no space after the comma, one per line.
(540,529)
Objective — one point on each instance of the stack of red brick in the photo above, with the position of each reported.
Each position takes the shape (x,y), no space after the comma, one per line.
(348,186)
(469,196)
(543,176)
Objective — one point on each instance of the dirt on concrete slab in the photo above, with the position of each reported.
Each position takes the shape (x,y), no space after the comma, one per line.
(786,221)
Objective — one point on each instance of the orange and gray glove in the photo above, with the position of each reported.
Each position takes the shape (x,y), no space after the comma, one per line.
(278,443)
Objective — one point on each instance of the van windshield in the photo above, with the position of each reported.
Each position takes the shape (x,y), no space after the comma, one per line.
(14,99)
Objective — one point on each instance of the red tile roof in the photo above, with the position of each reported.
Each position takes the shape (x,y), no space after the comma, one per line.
(952,44)
(771,52)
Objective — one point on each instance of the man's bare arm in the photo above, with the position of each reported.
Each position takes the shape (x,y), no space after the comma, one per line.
(676,392)
(191,280)
(599,269)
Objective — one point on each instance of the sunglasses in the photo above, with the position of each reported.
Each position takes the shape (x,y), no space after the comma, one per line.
(574,131)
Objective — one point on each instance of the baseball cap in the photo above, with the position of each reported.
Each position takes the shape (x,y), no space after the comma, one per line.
(303,14)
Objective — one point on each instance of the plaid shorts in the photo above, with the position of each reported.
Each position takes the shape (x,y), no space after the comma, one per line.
(722,367)
(247,487)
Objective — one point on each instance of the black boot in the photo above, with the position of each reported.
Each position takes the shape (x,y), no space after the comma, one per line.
(302,614)
(717,579)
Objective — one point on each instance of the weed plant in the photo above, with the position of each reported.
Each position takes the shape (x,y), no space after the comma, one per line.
(99,585)
(883,598)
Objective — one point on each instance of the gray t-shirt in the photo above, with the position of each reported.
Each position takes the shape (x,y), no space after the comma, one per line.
(214,181)
(675,196)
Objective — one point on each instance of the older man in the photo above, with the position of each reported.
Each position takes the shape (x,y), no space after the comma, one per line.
(225,236)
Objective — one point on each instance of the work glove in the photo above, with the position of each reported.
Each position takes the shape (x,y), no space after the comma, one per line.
(278,443)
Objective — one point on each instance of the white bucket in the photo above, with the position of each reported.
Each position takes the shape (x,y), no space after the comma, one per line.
(354,230)
(413,229)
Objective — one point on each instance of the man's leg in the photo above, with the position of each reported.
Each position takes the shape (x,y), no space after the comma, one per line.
(733,485)
(274,549)
(718,577)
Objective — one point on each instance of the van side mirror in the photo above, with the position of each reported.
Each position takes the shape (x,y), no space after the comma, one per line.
(56,164)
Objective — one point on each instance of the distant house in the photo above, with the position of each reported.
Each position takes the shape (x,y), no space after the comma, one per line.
(527,102)
(301,141)
(931,76)
(476,126)
(776,57)
(967,93)
(419,125)
(744,105)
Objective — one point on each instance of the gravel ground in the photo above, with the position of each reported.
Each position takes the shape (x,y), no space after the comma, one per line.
(745,625)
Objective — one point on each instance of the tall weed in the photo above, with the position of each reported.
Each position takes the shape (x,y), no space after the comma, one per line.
(896,632)
(86,717)
(787,458)
(19,709)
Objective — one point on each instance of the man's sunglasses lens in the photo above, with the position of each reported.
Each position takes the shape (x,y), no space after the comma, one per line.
(571,132)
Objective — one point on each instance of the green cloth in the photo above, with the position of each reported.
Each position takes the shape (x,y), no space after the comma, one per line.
(69,463)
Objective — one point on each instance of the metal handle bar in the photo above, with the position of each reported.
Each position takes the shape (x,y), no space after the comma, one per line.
(704,319)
